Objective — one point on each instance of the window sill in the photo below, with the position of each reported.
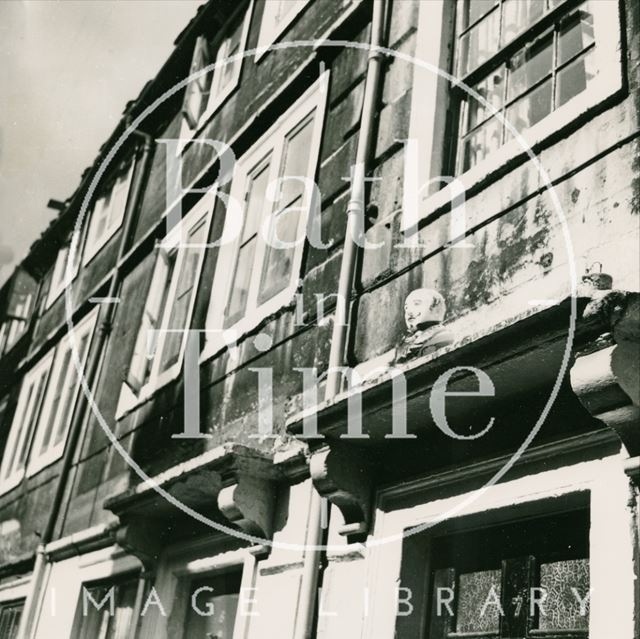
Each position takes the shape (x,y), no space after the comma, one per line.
(129,401)
(45,460)
(227,338)
(53,297)
(187,135)
(91,252)
(264,43)
(535,138)
(11,482)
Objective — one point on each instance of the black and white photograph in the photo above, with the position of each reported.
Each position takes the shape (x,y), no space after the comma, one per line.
(319,319)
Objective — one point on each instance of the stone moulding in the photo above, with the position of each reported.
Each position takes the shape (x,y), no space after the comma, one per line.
(234,485)
(343,475)
(607,381)
(521,356)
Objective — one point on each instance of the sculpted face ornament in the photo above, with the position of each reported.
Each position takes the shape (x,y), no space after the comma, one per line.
(423,307)
(424,310)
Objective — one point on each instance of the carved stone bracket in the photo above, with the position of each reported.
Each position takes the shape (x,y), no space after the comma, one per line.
(142,538)
(233,483)
(249,503)
(607,381)
(343,475)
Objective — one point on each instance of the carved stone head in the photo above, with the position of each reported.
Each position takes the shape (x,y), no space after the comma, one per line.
(422,308)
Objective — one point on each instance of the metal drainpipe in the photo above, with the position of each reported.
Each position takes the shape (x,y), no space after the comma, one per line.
(339,336)
(27,622)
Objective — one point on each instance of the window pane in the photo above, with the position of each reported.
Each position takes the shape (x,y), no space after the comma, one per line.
(474,589)
(72,382)
(474,9)
(529,66)
(278,263)
(296,163)
(575,77)
(492,90)
(61,383)
(518,15)
(561,606)
(100,624)
(481,143)
(479,43)
(530,109)
(241,282)
(216,598)
(232,47)
(256,203)
(125,600)
(185,289)
(10,614)
(30,414)
(575,35)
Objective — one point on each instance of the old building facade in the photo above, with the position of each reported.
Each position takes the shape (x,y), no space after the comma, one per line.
(255,447)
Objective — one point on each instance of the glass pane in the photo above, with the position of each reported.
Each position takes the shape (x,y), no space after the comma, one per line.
(561,605)
(529,66)
(232,47)
(256,204)
(100,214)
(175,332)
(121,621)
(479,43)
(530,109)
(475,9)
(492,90)
(72,382)
(10,619)
(481,143)
(30,414)
(216,600)
(575,77)
(296,163)
(518,15)
(278,262)
(61,384)
(474,589)
(241,281)
(576,34)
(185,287)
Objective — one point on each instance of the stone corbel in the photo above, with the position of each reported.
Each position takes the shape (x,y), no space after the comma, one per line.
(343,475)
(249,503)
(141,537)
(607,381)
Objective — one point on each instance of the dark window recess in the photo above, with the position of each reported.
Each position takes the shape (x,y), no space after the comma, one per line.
(517,581)
(10,614)
(212,606)
(111,616)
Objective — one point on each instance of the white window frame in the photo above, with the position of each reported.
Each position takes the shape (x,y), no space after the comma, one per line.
(21,427)
(14,327)
(603,481)
(67,577)
(217,95)
(272,142)
(60,280)
(62,421)
(199,558)
(202,210)
(429,103)
(21,433)
(271,27)
(94,243)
